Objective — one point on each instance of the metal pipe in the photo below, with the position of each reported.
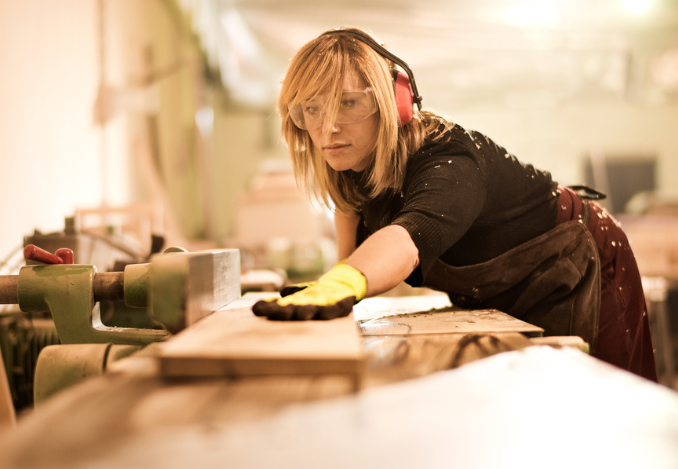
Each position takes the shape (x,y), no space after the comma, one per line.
(9,289)
(108,286)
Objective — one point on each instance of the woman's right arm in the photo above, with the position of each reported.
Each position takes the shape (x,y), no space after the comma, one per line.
(346,227)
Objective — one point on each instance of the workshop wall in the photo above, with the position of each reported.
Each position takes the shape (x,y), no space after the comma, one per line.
(242,140)
(110,102)
(552,87)
(561,139)
(50,150)
(100,104)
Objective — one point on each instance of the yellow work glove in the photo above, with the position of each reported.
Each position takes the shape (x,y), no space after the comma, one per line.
(332,296)
(295,287)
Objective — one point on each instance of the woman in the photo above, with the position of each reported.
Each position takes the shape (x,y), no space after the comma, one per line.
(421,199)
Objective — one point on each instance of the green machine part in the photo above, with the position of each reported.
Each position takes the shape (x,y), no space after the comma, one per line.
(178,288)
(62,366)
(67,291)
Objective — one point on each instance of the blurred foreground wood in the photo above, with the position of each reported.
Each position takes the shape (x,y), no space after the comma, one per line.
(87,425)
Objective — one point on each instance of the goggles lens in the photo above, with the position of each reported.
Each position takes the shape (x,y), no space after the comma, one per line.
(355,106)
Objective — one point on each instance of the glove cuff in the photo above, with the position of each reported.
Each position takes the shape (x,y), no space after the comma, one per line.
(349,276)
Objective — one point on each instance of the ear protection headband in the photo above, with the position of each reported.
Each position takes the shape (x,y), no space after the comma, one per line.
(405,88)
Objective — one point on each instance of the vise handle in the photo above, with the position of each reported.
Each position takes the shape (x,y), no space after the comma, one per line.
(60,256)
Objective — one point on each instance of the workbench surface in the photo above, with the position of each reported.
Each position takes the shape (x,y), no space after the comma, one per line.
(415,406)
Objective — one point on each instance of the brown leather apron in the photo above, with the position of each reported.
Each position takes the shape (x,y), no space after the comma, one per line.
(551,281)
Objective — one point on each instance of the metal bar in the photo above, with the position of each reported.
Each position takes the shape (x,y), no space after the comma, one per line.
(9,289)
(108,286)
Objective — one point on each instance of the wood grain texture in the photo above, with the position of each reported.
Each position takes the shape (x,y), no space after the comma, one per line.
(235,342)
(82,427)
(492,414)
(449,322)
(100,422)
(7,413)
(433,315)
(89,424)
(390,359)
(384,306)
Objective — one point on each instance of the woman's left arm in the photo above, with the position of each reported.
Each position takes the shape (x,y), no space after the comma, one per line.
(380,263)
(385,259)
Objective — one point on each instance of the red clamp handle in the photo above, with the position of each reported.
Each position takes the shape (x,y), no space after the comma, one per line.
(61,256)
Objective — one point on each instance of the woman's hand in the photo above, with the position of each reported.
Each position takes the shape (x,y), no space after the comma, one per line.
(332,296)
(296,287)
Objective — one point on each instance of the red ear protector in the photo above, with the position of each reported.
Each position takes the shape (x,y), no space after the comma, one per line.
(405,88)
(404,97)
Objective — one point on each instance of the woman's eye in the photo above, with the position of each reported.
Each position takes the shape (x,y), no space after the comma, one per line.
(348,104)
(311,110)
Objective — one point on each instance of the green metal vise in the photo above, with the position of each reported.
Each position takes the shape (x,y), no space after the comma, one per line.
(178,288)
(68,293)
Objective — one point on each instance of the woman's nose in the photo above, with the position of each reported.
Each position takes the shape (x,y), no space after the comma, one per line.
(330,125)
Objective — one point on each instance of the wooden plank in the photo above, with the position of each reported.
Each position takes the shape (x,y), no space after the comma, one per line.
(383,306)
(118,408)
(7,412)
(563,341)
(390,359)
(414,315)
(235,342)
(449,322)
(267,421)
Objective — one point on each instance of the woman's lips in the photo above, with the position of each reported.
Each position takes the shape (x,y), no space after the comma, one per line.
(336,148)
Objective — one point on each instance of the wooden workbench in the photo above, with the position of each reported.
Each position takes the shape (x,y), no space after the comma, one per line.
(134,417)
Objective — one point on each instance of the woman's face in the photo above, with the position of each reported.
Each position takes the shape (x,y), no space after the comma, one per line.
(347,146)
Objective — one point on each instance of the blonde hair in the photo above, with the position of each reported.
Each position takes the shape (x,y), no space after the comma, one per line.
(319,67)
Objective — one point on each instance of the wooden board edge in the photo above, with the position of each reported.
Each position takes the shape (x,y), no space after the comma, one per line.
(177,367)
(526,333)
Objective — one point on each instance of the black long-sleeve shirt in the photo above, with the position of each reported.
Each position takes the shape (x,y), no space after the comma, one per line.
(465,200)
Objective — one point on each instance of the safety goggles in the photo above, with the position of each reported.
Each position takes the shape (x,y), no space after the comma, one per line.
(355,106)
